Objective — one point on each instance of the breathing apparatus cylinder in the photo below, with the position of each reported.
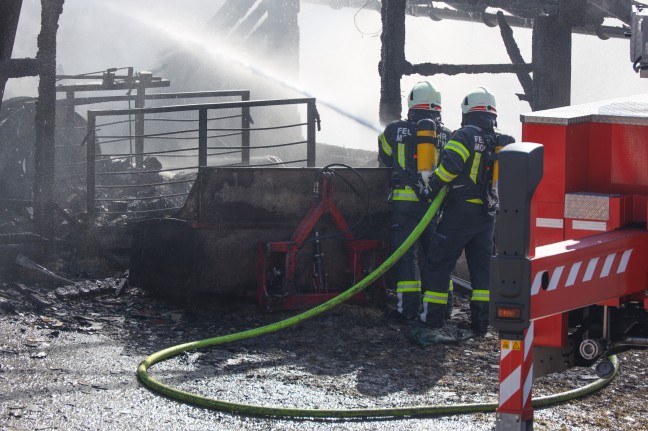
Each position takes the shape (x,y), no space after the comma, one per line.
(426,148)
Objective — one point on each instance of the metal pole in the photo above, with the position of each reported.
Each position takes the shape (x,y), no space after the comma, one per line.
(140,100)
(202,137)
(245,134)
(310,135)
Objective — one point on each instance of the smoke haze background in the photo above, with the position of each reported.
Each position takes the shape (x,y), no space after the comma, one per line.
(339,55)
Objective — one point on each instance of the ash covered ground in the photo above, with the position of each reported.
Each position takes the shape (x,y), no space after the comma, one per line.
(68,358)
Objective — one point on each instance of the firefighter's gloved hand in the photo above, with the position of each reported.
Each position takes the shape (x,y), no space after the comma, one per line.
(421,189)
(434,186)
(502,140)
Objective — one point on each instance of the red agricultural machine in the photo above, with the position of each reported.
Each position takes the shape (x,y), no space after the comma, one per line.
(570,277)
(307,239)
(280,286)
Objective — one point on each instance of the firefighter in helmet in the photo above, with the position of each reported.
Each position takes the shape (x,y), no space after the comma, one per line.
(466,166)
(397,149)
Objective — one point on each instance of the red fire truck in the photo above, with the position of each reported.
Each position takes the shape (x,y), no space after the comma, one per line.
(570,278)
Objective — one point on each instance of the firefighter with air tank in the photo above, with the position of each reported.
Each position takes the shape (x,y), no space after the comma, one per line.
(402,146)
(466,167)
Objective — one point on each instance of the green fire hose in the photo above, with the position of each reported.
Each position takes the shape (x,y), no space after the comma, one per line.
(256,410)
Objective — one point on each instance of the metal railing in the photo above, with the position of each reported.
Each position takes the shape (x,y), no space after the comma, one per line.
(71,130)
(117,178)
(71,102)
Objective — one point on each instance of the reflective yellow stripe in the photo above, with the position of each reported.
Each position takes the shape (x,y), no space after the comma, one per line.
(408,286)
(475,167)
(401,155)
(444,175)
(450,286)
(475,201)
(435,297)
(408,283)
(404,195)
(385,145)
(458,148)
(480,295)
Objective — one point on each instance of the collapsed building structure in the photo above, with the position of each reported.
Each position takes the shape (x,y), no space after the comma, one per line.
(563,288)
(545,83)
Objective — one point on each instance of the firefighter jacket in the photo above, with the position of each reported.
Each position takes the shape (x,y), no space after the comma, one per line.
(397,149)
(466,163)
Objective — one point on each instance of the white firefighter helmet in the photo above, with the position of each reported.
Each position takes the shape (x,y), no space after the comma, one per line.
(424,96)
(479,100)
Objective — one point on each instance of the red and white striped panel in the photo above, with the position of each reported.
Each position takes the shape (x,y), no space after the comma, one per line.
(516,375)
(583,271)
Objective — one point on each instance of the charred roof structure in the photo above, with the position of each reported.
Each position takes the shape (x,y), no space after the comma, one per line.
(275,22)
(546,80)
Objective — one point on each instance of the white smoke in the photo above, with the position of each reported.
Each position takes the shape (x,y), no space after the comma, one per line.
(339,51)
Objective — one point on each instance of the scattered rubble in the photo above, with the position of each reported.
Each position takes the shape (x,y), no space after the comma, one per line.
(71,365)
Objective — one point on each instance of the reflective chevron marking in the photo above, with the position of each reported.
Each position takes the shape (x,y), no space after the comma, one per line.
(593,270)
(516,372)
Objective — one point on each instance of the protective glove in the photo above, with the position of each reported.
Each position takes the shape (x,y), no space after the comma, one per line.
(502,140)
(434,186)
(424,192)
(421,189)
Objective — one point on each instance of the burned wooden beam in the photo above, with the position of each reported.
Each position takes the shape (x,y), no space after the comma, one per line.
(490,19)
(429,69)
(9,14)
(551,50)
(392,59)
(619,9)
(18,68)
(45,117)
(516,58)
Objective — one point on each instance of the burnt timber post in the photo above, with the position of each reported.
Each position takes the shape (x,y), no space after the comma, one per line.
(392,59)
(45,117)
(9,14)
(526,81)
(551,51)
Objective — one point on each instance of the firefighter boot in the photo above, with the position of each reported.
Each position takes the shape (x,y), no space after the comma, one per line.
(408,304)
(433,314)
(397,317)
(479,317)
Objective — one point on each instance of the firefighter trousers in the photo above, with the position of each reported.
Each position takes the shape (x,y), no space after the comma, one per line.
(468,227)
(409,280)
(406,274)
